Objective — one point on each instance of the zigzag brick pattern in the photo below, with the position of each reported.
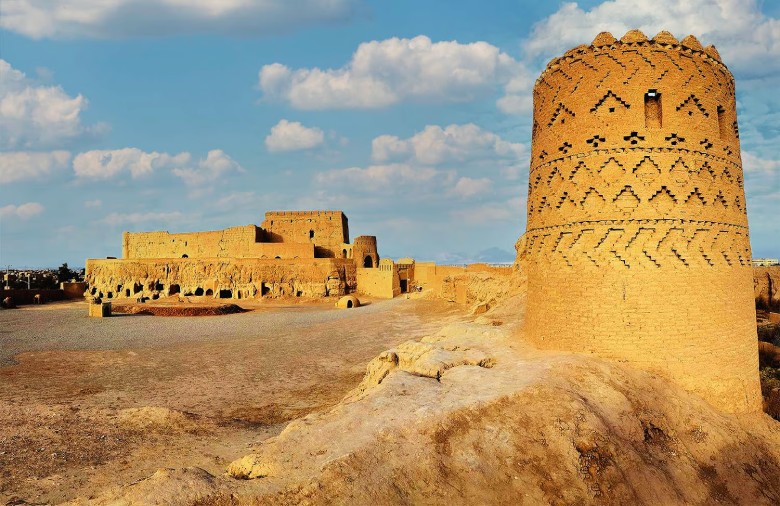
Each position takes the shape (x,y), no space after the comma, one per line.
(637,245)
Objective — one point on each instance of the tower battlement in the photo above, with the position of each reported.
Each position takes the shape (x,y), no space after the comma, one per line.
(637,229)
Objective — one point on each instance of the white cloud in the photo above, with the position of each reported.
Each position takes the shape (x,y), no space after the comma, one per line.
(125,18)
(514,103)
(467,187)
(383,73)
(748,40)
(106,164)
(293,136)
(236,199)
(436,145)
(36,116)
(491,212)
(93,203)
(762,176)
(378,177)
(24,165)
(216,164)
(22,211)
(116,219)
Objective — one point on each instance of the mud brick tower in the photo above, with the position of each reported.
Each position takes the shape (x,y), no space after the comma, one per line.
(637,241)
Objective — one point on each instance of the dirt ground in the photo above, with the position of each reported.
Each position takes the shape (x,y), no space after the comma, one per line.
(87,404)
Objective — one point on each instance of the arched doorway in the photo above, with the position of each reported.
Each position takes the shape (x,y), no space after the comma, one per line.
(368,262)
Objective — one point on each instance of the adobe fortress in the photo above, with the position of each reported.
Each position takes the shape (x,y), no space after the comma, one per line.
(292,253)
(637,239)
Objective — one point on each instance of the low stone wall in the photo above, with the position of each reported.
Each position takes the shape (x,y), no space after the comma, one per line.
(73,290)
(23,297)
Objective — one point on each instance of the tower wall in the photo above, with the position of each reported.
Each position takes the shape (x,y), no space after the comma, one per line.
(637,243)
(364,247)
(328,230)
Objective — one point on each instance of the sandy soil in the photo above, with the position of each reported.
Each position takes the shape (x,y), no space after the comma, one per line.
(87,404)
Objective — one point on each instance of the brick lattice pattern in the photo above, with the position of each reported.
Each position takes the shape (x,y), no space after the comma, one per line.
(637,244)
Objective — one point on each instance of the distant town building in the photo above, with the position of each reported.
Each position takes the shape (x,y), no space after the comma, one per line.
(765,262)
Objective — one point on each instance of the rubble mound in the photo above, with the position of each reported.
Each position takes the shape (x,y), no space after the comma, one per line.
(158,419)
(177,310)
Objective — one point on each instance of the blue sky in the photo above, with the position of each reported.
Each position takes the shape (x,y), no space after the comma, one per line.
(412,117)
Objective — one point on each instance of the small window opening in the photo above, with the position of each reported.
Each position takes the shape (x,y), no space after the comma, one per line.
(722,127)
(311,234)
(368,262)
(225,294)
(349,304)
(198,291)
(185,255)
(653,117)
(209,293)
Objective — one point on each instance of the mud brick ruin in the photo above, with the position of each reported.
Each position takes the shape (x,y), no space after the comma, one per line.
(292,253)
(637,239)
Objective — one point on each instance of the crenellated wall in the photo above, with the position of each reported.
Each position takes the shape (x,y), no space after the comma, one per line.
(234,242)
(637,243)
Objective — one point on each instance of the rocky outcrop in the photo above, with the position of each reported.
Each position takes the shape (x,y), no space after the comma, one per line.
(473,416)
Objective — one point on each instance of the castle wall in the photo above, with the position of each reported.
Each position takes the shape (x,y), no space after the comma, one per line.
(329,230)
(243,278)
(235,242)
(381,282)
(637,242)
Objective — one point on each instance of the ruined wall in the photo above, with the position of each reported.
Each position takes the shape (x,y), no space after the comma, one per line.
(242,278)
(365,247)
(234,242)
(430,275)
(766,287)
(329,230)
(382,282)
(637,241)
